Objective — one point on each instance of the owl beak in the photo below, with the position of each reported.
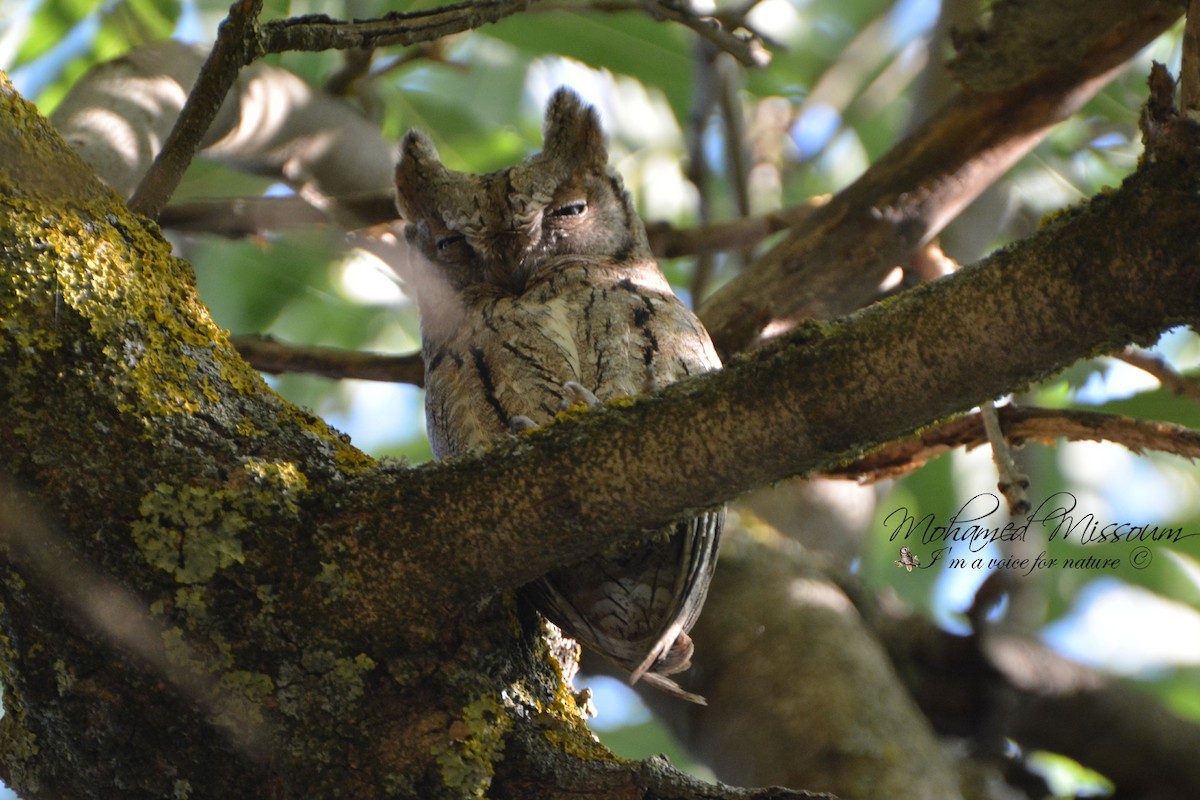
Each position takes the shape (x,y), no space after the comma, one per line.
(513,245)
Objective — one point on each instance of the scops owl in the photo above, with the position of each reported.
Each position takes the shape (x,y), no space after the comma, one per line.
(543,292)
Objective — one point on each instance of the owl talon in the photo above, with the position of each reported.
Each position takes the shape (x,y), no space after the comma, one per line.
(577,393)
(520,423)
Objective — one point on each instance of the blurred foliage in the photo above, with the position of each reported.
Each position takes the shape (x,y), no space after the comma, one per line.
(841,90)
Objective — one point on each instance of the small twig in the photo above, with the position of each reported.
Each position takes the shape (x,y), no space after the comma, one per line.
(1022,424)
(1189,71)
(1170,379)
(717,28)
(268,354)
(317,32)
(739,234)
(232,51)
(748,49)
(237,217)
(432,51)
(1012,482)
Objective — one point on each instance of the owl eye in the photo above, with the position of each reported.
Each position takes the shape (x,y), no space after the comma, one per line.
(446,242)
(570,209)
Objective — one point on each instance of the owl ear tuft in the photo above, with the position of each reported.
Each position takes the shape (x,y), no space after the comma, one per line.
(572,131)
(419,167)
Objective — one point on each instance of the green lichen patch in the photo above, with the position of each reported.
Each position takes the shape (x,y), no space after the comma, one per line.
(190,531)
(473,743)
(337,681)
(193,532)
(234,698)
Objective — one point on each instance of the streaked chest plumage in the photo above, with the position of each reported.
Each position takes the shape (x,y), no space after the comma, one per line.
(615,333)
(541,288)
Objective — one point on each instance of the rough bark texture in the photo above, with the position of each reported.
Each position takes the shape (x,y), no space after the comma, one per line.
(315,624)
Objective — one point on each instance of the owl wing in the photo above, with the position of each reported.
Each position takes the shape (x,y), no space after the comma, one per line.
(672,651)
(632,616)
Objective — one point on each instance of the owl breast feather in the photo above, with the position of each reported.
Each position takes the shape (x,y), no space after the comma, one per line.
(510,357)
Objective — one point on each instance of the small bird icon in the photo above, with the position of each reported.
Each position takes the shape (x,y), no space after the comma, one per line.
(907,559)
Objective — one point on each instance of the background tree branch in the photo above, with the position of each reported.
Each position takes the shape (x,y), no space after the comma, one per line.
(351,605)
(836,259)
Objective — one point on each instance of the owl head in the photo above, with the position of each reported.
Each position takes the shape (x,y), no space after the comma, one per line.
(498,233)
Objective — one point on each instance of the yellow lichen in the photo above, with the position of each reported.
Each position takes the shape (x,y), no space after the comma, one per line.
(336,582)
(473,743)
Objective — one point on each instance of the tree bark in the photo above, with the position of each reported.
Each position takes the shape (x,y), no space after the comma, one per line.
(317,624)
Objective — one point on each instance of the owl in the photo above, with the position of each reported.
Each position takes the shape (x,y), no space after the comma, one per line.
(907,559)
(541,292)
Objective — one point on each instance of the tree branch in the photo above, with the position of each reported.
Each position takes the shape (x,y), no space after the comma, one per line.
(268,354)
(346,601)
(248,216)
(1171,380)
(966,684)
(747,49)
(834,262)
(317,32)
(240,42)
(230,53)
(1020,425)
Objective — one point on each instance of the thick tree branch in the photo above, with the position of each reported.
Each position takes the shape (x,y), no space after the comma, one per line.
(346,600)
(834,262)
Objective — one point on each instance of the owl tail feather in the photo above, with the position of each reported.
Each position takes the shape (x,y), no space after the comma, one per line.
(665,684)
(671,654)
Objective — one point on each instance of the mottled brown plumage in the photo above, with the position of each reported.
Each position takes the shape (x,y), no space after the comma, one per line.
(543,292)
